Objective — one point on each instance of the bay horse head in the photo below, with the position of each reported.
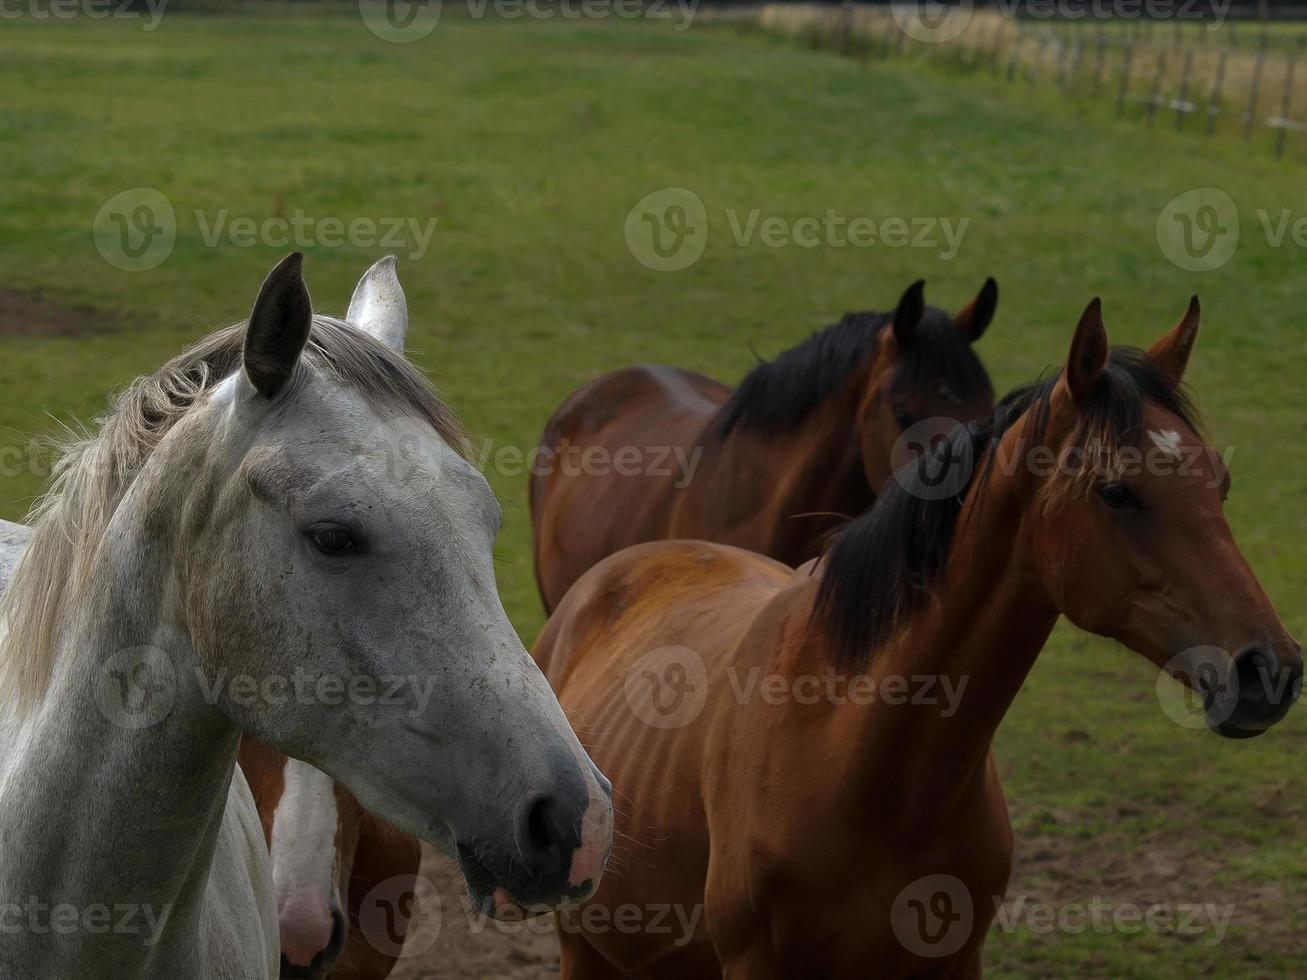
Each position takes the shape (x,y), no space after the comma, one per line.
(1134,540)
(925,379)
(1111,504)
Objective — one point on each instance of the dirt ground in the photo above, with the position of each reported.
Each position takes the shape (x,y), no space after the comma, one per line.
(1048,868)
(450,945)
(27,313)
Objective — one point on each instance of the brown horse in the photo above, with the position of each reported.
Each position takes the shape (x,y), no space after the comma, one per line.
(805,442)
(329,856)
(804,757)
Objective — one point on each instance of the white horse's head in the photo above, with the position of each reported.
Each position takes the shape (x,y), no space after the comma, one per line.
(338,552)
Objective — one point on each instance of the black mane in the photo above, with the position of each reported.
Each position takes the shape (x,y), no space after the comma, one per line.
(881,568)
(777,395)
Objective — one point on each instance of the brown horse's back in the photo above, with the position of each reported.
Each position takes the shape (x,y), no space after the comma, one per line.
(618,651)
(626,435)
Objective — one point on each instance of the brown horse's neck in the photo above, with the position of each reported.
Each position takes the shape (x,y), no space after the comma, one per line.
(962,657)
(792,486)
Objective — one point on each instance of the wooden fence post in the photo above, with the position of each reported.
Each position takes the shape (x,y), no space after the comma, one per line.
(1182,102)
(1156,95)
(1126,60)
(1286,102)
(1254,89)
(1214,103)
(1015,61)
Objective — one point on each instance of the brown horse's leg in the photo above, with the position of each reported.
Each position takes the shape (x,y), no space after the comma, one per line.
(581,961)
(385,867)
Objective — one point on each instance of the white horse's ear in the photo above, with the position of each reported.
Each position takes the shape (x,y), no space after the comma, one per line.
(378,306)
(278,328)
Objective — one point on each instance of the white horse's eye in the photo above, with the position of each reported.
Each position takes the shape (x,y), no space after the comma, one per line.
(334,540)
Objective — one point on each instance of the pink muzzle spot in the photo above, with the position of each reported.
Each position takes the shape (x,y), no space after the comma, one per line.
(306,923)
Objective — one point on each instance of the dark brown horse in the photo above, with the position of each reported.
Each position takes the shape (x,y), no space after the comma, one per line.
(804,443)
(805,756)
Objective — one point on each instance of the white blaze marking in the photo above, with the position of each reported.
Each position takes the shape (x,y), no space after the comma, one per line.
(303,847)
(1168,441)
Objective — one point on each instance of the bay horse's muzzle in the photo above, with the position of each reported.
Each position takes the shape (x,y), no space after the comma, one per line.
(1258,691)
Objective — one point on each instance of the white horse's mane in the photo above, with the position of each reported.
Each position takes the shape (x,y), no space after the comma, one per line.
(96,467)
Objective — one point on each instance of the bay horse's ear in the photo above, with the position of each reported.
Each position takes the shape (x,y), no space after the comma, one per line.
(977,314)
(1171,353)
(911,308)
(378,307)
(278,327)
(1088,355)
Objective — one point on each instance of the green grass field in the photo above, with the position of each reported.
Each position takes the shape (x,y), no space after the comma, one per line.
(530,142)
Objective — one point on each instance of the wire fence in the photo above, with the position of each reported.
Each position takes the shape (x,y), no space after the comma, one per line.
(1229,80)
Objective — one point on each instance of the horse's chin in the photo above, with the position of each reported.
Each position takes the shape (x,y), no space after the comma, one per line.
(1227,729)
(495,901)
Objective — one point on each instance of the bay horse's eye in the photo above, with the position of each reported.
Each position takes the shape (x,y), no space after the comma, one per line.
(1118,496)
(333,540)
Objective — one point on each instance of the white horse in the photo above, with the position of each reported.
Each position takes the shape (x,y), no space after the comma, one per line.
(274,534)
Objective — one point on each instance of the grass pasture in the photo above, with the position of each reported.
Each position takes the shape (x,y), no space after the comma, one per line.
(529,142)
